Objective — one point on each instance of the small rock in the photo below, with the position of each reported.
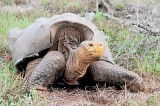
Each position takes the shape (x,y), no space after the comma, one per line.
(89,16)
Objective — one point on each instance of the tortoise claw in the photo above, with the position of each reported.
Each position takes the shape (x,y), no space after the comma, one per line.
(137,86)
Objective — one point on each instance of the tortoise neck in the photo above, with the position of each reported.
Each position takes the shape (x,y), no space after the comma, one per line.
(77,64)
(82,58)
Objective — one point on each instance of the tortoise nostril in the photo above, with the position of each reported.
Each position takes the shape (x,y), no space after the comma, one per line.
(90,44)
(100,44)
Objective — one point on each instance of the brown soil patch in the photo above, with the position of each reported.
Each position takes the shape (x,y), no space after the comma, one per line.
(106,96)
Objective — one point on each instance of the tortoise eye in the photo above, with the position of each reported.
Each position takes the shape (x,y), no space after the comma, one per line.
(90,44)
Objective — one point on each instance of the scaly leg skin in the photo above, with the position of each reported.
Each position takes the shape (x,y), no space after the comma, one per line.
(47,71)
(30,67)
(103,71)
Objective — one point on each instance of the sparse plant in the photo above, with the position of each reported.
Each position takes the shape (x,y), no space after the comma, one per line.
(18,2)
(7,2)
(121,6)
(99,16)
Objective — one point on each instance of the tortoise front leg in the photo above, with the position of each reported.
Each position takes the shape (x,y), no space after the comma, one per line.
(103,71)
(50,68)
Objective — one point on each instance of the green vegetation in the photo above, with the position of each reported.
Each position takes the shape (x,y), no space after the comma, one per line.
(45,2)
(9,20)
(7,2)
(12,89)
(121,6)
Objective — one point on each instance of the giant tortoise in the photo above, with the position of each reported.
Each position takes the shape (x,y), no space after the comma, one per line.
(66,48)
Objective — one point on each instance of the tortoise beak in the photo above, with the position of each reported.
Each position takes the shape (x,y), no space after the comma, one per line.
(98,49)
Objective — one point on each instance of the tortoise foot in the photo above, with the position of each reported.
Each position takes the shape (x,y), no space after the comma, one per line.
(49,70)
(113,75)
(137,86)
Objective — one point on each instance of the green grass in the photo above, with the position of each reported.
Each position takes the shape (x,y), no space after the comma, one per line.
(45,2)
(9,20)
(123,43)
(7,2)
(121,6)
(12,89)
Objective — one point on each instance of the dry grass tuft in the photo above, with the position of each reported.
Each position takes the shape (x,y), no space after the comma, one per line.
(18,2)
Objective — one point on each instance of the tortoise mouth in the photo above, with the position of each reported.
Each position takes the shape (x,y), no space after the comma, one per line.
(97,52)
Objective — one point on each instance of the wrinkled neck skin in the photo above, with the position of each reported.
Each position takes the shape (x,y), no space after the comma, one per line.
(82,58)
(77,64)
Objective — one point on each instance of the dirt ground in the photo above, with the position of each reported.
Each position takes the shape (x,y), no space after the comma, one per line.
(109,96)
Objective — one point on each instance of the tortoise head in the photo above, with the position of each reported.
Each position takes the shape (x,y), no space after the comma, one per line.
(81,57)
(93,50)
